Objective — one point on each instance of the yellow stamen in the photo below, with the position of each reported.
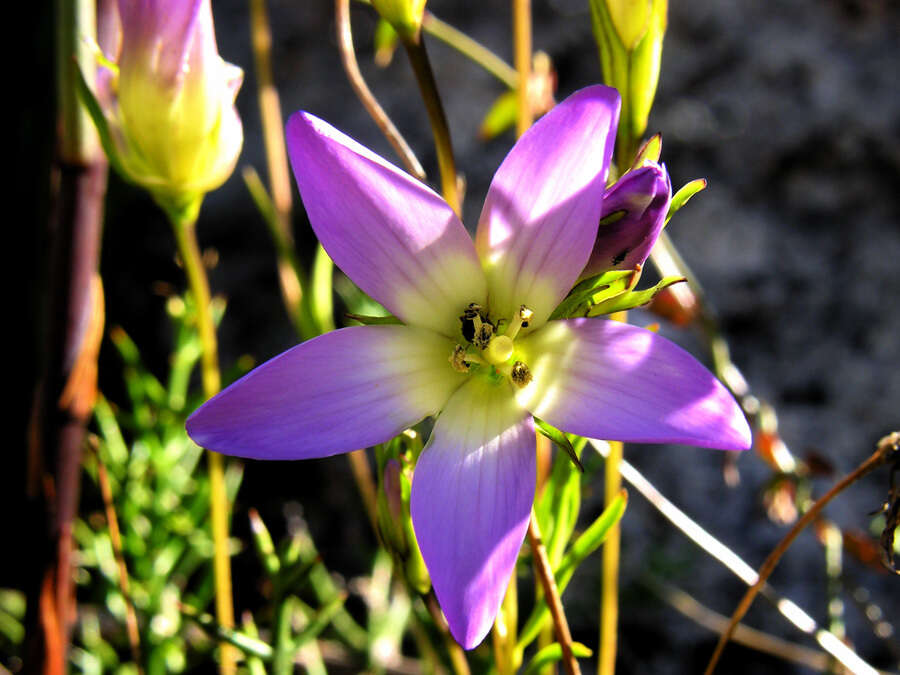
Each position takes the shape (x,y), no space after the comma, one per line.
(520,320)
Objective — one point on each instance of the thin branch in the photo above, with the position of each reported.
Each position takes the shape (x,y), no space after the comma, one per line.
(522,59)
(454,651)
(715,548)
(886,445)
(376,112)
(475,51)
(548,582)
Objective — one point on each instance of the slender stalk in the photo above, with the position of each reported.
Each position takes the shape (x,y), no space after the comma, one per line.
(548,582)
(421,66)
(724,555)
(112,521)
(189,250)
(522,59)
(454,651)
(468,47)
(364,94)
(362,474)
(609,592)
(886,446)
(289,275)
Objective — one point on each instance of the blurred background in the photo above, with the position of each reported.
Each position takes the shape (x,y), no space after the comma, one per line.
(790,110)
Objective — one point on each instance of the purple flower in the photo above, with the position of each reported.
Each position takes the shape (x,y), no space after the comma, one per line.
(476,350)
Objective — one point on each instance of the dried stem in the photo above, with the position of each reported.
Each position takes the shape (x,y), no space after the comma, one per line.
(421,66)
(112,521)
(475,51)
(728,558)
(362,474)
(522,59)
(886,445)
(189,250)
(548,583)
(376,112)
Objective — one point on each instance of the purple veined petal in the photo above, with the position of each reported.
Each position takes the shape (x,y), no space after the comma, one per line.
(604,379)
(157,36)
(348,389)
(541,214)
(471,499)
(399,241)
(644,195)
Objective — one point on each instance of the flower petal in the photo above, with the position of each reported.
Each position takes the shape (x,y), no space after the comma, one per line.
(540,218)
(643,195)
(471,498)
(399,241)
(348,389)
(605,379)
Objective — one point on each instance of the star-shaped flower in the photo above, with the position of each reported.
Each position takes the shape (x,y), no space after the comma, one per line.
(476,348)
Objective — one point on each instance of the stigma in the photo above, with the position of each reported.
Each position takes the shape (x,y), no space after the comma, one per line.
(491,345)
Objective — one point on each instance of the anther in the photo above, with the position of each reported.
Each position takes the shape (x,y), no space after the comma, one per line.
(520,374)
(520,320)
(458,359)
(483,334)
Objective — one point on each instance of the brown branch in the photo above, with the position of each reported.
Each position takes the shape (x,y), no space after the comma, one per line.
(886,446)
(376,112)
(551,594)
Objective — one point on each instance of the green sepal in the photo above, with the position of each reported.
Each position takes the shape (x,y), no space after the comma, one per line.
(650,151)
(93,107)
(684,195)
(385,42)
(632,299)
(592,290)
(559,439)
(644,66)
(553,653)
(500,117)
(374,320)
(321,295)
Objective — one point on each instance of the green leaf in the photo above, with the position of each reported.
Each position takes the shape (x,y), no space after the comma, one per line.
(596,288)
(591,539)
(632,299)
(684,195)
(648,152)
(559,439)
(374,320)
(321,297)
(93,107)
(500,117)
(553,653)
(320,620)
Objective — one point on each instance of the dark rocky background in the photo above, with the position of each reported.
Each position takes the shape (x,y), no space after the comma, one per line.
(792,112)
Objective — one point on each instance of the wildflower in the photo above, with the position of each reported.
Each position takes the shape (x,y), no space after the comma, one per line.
(167,98)
(476,348)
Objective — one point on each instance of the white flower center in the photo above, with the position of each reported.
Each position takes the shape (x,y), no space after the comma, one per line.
(490,352)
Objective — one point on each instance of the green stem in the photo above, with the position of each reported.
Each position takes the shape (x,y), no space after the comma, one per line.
(189,250)
(418,58)
(468,47)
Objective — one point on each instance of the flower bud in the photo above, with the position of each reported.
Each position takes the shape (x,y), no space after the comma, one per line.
(169,104)
(404,15)
(633,215)
(629,36)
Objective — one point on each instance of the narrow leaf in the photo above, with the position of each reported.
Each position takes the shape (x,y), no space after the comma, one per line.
(684,195)
(373,320)
(607,284)
(553,653)
(560,439)
(626,301)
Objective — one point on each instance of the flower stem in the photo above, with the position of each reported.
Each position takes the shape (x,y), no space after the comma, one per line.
(364,94)
(468,47)
(887,447)
(189,250)
(609,594)
(421,66)
(454,651)
(522,59)
(551,593)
